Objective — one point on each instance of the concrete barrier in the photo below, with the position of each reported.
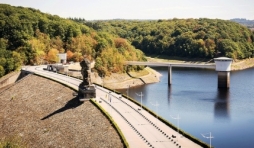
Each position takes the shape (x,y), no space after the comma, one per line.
(12,78)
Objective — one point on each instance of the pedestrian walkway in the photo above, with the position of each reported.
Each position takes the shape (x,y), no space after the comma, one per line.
(140,128)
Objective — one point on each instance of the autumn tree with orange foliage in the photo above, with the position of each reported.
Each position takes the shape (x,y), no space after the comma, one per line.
(69,55)
(121,43)
(43,36)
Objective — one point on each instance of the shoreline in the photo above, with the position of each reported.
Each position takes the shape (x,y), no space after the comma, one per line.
(242,64)
(123,81)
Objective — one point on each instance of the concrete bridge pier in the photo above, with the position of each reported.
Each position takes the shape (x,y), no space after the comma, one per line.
(169,75)
(223,79)
(223,66)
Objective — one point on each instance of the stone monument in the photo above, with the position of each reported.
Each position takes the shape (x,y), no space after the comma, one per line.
(86,89)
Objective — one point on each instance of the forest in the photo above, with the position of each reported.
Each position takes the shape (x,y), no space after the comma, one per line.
(30,37)
(192,38)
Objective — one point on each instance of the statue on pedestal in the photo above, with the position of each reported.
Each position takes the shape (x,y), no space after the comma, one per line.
(85,71)
(86,89)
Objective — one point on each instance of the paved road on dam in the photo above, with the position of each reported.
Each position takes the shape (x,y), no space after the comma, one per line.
(140,128)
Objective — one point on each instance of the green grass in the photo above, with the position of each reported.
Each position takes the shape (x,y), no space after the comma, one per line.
(138,74)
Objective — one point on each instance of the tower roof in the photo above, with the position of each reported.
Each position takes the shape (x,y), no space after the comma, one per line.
(223,59)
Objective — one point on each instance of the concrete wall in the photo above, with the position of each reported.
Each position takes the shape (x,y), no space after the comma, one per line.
(62,57)
(12,78)
(223,64)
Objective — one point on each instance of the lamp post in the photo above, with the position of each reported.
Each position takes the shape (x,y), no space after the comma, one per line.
(156,104)
(128,90)
(210,137)
(102,77)
(109,99)
(177,118)
(66,71)
(141,95)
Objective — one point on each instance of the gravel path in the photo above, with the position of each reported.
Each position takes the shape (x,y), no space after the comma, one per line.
(43,113)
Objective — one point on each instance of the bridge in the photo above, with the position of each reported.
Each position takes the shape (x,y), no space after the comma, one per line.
(139,127)
(222,65)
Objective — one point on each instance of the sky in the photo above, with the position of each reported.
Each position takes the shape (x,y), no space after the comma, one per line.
(141,9)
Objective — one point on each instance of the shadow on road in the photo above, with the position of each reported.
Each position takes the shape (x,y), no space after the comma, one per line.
(73,103)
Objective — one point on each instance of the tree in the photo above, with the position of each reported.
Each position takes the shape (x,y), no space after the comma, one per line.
(77,57)
(210,45)
(56,43)
(17,60)
(2,61)
(9,65)
(38,47)
(180,37)
(121,43)
(28,36)
(2,71)
(3,44)
(228,48)
(69,55)
(99,65)
(52,56)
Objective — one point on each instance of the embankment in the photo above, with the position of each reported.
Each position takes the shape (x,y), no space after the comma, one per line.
(11,78)
(37,112)
(242,64)
(125,80)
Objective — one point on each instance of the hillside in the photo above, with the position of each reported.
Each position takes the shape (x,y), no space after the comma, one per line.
(28,36)
(191,38)
(37,112)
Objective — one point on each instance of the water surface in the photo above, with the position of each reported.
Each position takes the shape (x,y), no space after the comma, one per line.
(202,107)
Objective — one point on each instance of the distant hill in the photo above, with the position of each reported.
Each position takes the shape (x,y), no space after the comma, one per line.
(243,21)
(192,38)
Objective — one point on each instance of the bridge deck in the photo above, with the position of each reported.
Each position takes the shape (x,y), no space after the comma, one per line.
(168,64)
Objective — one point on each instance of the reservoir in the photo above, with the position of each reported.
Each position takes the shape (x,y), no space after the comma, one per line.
(202,107)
